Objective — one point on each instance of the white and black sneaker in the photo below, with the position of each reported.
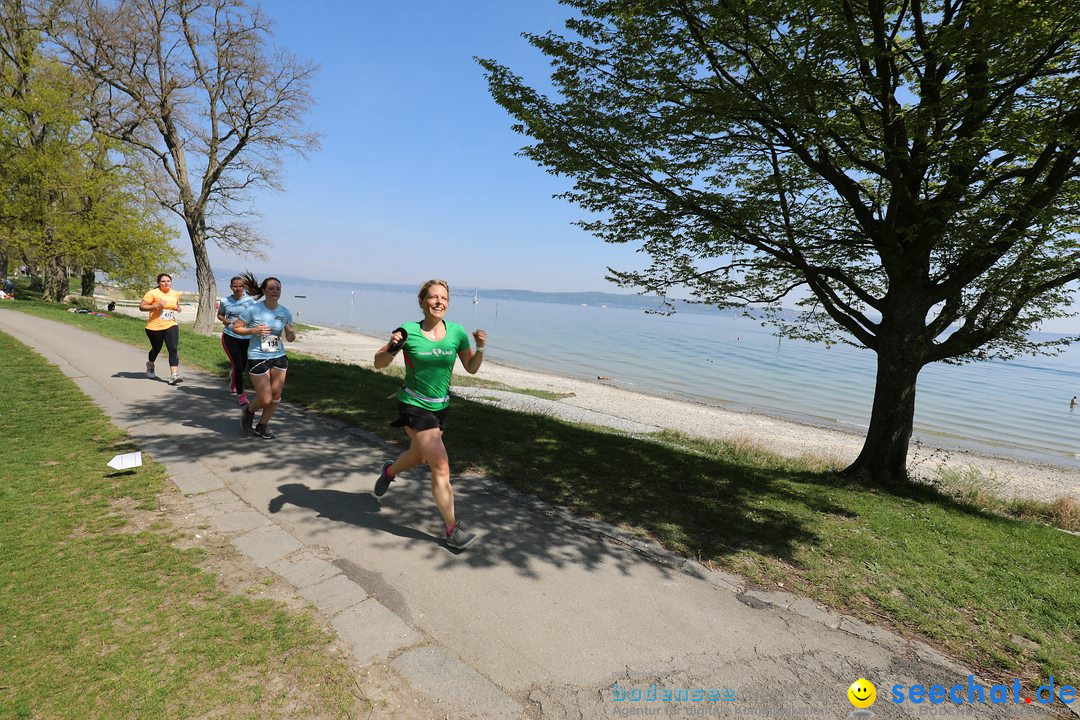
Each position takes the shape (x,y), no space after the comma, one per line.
(150,371)
(176,380)
(459,538)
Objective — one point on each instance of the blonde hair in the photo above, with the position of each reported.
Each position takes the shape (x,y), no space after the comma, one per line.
(427,286)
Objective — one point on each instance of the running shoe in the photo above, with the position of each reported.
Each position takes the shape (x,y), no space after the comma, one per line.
(247,421)
(383,483)
(175,380)
(459,538)
(264,432)
(242,399)
(150,371)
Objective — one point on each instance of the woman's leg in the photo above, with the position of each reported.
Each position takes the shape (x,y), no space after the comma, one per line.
(263,392)
(276,386)
(156,338)
(242,346)
(172,343)
(429,444)
(235,350)
(408,459)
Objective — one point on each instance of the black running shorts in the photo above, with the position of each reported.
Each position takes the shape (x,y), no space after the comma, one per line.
(261,367)
(418,418)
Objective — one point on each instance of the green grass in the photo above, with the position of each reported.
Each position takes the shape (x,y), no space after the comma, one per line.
(1001,593)
(104,618)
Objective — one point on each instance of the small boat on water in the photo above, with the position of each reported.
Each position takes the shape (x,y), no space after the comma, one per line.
(474,298)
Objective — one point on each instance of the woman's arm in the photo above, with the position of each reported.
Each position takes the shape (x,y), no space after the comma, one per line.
(384,355)
(471,360)
(144,305)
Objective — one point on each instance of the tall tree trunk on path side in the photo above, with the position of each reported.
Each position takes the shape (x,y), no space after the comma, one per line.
(204,277)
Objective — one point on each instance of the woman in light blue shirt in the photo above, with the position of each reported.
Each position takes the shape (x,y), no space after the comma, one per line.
(235,344)
(268,326)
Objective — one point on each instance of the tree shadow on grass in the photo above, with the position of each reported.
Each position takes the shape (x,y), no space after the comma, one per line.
(698,505)
(695,505)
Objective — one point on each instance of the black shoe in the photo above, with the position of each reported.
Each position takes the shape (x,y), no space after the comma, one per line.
(383,483)
(247,421)
(264,432)
(460,538)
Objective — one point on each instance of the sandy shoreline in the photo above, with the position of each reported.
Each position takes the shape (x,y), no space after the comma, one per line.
(634,411)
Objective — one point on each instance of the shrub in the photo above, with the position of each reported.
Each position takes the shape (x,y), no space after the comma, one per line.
(81,301)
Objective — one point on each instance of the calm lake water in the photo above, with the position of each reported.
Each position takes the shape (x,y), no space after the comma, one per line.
(1019,409)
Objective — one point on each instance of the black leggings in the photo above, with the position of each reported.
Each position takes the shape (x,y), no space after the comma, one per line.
(236,350)
(171,338)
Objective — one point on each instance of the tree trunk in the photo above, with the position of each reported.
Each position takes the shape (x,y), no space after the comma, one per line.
(55,279)
(89,282)
(33,271)
(883,459)
(204,277)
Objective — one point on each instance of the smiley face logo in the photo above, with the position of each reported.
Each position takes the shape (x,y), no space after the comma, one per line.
(862,693)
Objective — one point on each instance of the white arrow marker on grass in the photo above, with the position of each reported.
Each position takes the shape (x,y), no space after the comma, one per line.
(123,462)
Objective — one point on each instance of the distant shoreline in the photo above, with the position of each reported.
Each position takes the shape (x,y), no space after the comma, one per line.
(1016,478)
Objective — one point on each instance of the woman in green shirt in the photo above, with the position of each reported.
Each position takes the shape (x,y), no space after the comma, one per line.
(430,348)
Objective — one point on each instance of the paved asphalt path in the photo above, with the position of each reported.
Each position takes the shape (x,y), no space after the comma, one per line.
(547,616)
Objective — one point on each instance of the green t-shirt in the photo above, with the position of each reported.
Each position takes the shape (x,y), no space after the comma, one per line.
(429,365)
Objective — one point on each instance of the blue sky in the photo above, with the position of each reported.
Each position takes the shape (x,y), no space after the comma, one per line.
(417,176)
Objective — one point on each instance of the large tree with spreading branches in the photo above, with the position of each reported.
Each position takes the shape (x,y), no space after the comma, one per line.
(903,172)
(198,87)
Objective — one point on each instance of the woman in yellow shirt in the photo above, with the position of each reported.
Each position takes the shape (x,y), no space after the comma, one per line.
(163,304)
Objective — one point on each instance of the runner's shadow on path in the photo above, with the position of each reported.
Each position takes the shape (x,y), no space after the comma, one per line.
(138,376)
(194,391)
(361,509)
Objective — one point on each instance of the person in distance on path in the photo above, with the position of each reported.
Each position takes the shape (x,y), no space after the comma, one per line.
(163,304)
(430,348)
(267,325)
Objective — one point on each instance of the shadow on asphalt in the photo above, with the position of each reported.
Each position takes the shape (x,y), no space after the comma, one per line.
(318,465)
(137,376)
(360,509)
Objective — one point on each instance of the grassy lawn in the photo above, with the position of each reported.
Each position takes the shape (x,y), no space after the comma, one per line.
(103,618)
(1001,593)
